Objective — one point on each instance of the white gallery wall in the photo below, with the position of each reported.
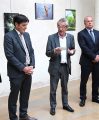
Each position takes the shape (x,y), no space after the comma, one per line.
(39,31)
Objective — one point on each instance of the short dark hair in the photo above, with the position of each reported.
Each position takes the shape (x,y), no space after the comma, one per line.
(19,18)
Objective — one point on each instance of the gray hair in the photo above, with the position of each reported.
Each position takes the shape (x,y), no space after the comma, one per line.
(86,18)
(62,20)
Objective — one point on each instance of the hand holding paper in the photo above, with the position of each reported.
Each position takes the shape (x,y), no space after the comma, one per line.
(57,50)
(71,51)
(63,48)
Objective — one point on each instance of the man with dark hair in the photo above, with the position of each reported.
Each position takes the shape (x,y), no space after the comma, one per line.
(60,47)
(19,19)
(20,64)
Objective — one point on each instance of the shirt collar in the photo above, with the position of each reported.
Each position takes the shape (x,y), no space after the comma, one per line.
(18,32)
(61,36)
(89,29)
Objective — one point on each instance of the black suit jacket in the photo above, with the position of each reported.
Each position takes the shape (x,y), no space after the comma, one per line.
(89,49)
(15,53)
(0,78)
(53,42)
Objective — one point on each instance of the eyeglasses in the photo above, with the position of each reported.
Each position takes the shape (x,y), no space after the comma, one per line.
(63,27)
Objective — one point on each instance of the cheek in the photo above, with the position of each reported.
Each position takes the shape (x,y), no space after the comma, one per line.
(23,28)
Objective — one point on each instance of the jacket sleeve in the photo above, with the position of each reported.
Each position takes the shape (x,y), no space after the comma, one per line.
(32,56)
(72,44)
(9,53)
(50,48)
(87,51)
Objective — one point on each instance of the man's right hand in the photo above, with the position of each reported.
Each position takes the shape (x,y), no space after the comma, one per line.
(96,59)
(57,50)
(28,70)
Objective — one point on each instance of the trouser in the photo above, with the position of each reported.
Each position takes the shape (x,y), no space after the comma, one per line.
(54,79)
(85,72)
(22,85)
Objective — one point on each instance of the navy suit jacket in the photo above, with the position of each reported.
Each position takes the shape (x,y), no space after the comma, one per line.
(0,78)
(15,53)
(53,42)
(89,49)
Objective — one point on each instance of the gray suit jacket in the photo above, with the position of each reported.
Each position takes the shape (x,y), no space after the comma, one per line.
(15,53)
(53,42)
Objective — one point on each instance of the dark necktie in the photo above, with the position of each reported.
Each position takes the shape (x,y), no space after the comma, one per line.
(92,35)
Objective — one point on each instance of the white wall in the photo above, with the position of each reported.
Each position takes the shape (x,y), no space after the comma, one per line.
(39,31)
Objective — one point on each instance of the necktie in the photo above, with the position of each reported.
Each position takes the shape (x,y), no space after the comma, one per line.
(25,48)
(92,35)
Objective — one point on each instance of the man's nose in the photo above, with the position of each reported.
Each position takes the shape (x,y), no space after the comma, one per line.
(60,28)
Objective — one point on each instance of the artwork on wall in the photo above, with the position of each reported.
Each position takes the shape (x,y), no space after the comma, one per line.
(43,11)
(70,16)
(8,21)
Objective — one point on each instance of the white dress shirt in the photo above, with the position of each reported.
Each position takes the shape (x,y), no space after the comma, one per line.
(25,47)
(64,51)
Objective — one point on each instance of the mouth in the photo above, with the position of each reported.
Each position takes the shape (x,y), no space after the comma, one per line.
(60,31)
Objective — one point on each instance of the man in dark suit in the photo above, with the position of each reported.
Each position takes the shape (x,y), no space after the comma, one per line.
(20,64)
(60,47)
(0,78)
(0,73)
(88,40)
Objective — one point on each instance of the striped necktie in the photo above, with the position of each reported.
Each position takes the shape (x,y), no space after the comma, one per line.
(92,35)
(25,48)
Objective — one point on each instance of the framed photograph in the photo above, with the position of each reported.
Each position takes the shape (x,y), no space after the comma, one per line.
(8,21)
(70,16)
(43,11)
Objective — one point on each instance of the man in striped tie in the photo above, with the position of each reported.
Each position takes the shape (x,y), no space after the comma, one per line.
(88,40)
(21,62)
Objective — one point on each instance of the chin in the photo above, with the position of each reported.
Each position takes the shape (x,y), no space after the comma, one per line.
(22,31)
(60,33)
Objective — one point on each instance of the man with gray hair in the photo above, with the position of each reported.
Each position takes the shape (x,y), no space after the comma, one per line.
(88,40)
(60,47)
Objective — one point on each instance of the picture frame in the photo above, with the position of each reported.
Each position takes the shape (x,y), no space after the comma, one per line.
(70,15)
(8,21)
(43,11)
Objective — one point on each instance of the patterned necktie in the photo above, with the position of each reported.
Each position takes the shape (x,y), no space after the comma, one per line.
(25,48)
(92,35)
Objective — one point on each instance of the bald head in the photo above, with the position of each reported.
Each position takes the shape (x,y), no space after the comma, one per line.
(88,22)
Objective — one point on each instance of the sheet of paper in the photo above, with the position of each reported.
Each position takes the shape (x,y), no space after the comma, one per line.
(63,48)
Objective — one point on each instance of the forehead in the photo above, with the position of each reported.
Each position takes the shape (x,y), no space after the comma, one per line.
(22,24)
(88,19)
(61,23)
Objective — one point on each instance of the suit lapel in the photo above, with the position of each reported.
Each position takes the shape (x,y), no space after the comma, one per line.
(95,36)
(26,41)
(67,41)
(57,43)
(18,39)
(86,32)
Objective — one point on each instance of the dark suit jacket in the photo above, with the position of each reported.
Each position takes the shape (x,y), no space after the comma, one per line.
(53,42)
(15,53)
(88,47)
(0,78)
